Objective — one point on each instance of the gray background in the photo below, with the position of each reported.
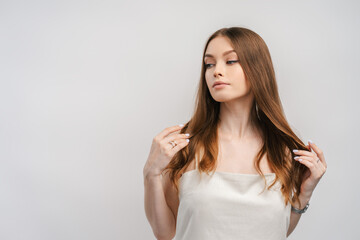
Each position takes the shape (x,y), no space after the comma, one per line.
(86,85)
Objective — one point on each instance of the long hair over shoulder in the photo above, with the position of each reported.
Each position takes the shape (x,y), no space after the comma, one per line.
(267,113)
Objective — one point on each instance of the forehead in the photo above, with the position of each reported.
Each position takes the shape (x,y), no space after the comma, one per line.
(218,46)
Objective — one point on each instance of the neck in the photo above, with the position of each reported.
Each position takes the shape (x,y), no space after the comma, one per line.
(236,119)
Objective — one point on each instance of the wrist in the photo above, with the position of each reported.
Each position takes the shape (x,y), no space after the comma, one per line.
(303,201)
(304,204)
(150,170)
(149,174)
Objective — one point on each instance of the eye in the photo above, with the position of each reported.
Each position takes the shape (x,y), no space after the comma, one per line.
(233,61)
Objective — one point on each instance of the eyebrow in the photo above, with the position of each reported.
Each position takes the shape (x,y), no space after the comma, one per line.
(225,53)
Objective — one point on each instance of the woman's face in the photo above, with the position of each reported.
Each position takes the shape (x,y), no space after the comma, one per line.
(221,64)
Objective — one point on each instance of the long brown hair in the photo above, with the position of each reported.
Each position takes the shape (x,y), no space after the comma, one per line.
(266,112)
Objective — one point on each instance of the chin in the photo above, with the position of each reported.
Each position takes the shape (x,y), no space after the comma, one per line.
(227,97)
(222,98)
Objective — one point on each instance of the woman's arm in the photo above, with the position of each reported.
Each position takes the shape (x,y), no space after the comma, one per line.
(158,213)
(295,217)
(160,199)
(316,164)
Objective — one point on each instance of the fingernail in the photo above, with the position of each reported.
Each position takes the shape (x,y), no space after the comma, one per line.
(181,125)
(187,134)
(295,150)
(296,157)
(188,140)
(310,141)
(300,160)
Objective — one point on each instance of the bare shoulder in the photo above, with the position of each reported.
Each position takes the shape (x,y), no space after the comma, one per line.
(171,196)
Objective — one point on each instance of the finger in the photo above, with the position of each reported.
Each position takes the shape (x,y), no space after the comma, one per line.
(176,137)
(306,162)
(311,159)
(304,152)
(169,130)
(318,151)
(312,166)
(181,144)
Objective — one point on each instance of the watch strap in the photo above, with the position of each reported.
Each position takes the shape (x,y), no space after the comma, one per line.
(300,211)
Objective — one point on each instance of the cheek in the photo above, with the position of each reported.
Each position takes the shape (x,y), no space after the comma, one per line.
(207,77)
(239,75)
(238,72)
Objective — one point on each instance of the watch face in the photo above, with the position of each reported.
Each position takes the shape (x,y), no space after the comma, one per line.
(306,207)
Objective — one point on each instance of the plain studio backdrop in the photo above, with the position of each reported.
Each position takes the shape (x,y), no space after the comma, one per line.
(86,85)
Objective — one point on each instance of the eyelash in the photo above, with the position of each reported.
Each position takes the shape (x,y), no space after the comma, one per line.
(207,65)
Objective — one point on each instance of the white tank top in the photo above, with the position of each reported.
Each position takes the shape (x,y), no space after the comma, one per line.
(227,206)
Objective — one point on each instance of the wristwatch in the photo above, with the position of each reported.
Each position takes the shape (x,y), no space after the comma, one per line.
(300,211)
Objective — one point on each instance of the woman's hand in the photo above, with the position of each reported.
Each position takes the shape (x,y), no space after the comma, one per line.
(315,161)
(162,150)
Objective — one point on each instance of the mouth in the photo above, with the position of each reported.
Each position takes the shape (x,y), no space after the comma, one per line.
(217,85)
(218,82)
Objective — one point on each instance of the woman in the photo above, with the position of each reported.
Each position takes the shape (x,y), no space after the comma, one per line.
(240,135)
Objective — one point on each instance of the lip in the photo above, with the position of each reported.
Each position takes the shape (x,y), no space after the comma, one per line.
(217,83)
(220,86)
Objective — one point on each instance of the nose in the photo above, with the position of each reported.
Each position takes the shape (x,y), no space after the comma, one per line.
(218,71)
